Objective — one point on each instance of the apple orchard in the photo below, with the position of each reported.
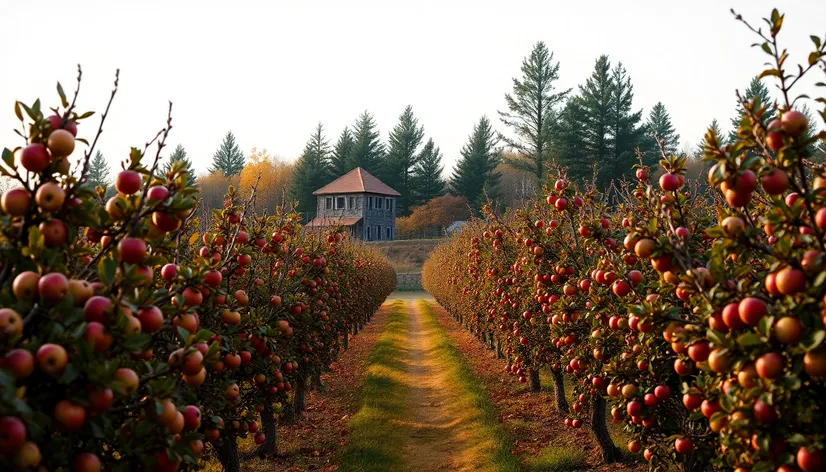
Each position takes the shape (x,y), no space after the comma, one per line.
(130,339)
(693,314)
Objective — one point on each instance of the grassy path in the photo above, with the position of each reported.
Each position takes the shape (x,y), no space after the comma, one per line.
(423,408)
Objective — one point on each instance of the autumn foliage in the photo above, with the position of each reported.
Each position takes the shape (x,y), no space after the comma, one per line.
(130,339)
(692,314)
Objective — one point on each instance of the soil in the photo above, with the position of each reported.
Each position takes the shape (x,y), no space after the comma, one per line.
(436,438)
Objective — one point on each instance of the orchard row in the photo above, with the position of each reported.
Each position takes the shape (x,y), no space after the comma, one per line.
(693,314)
(138,333)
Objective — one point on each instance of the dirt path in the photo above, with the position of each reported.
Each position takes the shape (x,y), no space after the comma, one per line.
(436,438)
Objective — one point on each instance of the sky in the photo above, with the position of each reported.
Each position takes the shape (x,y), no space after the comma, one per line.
(269,71)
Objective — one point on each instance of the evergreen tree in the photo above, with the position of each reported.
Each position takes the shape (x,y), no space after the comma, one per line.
(179,155)
(475,174)
(368,150)
(756,89)
(402,157)
(341,153)
(625,131)
(714,126)
(98,175)
(570,147)
(531,110)
(427,175)
(813,151)
(659,124)
(228,159)
(311,172)
(597,103)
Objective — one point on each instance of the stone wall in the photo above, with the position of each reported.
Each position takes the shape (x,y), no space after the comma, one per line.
(409,282)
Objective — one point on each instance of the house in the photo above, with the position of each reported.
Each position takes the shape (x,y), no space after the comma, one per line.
(359,201)
(454,227)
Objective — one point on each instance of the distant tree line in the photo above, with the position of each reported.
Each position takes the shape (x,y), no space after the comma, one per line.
(593,130)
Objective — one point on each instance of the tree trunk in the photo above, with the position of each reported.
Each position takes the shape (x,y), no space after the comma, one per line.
(499,354)
(317,385)
(347,340)
(559,391)
(610,453)
(534,376)
(288,414)
(298,398)
(270,429)
(491,345)
(228,454)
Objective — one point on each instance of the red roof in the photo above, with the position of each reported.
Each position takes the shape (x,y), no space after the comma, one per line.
(357,180)
(334,221)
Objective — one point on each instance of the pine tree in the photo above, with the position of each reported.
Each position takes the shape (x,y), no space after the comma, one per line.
(570,147)
(756,89)
(475,175)
(341,153)
(721,136)
(659,124)
(427,175)
(228,159)
(625,131)
(311,172)
(531,110)
(597,102)
(179,155)
(401,159)
(368,150)
(98,175)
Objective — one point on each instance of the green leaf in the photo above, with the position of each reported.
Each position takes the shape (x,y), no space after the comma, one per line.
(715,337)
(766,48)
(749,340)
(791,382)
(816,40)
(107,267)
(8,157)
(184,334)
(17,111)
(813,340)
(814,57)
(62,95)
(85,115)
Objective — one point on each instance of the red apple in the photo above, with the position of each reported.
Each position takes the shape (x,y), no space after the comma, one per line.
(132,250)
(128,182)
(70,415)
(12,435)
(35,158)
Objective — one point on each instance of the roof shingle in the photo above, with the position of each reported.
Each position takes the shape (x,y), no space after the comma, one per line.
(357,180)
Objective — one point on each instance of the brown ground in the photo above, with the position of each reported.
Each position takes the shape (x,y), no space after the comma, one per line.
(321,431)
(528,417)
(438,436)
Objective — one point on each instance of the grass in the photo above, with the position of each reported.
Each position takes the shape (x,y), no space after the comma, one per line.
(491,435)
(557,459)
(407,256)
(375,443)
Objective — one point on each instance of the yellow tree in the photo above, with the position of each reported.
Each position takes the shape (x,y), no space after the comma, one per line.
(275,177)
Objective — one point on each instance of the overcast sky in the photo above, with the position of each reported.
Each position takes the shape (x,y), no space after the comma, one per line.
(270,70)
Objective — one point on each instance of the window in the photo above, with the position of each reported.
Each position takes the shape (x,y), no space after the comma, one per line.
(378,230)
(389,236)
(329,203)
(391,204)
(369,233)
(352,202)
(378,202)
(340,203)
(387,203)
(370,201)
